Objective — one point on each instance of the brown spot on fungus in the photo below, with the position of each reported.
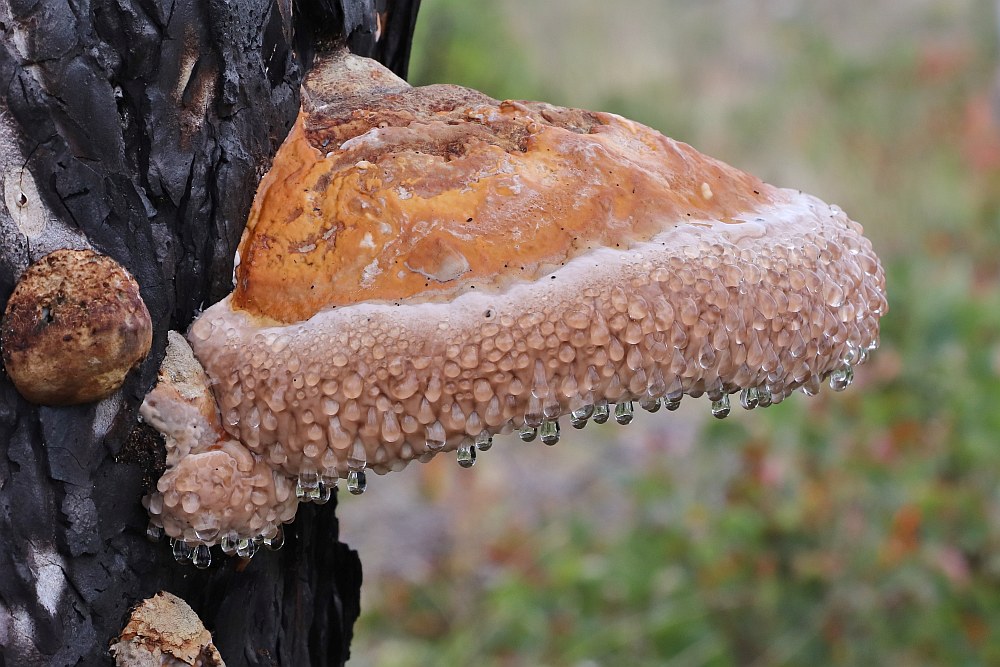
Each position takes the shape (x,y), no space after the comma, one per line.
(73,328)
(634,280)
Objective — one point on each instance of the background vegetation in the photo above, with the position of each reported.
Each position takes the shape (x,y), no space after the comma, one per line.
(860,528)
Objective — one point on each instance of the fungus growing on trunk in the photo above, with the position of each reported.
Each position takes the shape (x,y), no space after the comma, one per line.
(74,326)
(427,267)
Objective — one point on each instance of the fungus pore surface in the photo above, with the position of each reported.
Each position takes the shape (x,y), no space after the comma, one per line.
(426,267)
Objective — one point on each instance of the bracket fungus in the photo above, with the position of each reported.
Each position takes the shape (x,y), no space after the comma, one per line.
(424,268)
(74,326)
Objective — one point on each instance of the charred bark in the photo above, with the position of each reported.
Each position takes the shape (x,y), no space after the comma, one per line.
(141,128)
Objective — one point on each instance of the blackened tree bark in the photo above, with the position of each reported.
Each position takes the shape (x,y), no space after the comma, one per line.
(141,128)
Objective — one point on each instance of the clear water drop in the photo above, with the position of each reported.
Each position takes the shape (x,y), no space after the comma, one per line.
(153,532)
(307,486)
(484,441)
(549,432)
(201,557)
(579,417)
(601,413)
(749,398)
(672,401)
(466,454)
(181,550)
(357,459)
(649,403)
(852,355)
(527,433)
(721,407)
(276,541)
(435,437)
(228,544)
(323,493)
(246,547)
(329,478)
(624,412)
(357,482)
(811,386)
(841,378)
(533,414)
(763,397)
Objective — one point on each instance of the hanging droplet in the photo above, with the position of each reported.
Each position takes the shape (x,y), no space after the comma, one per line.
(228,544)
(357,482)
(852,354)
(435,437)
(329,478)
(841,378)
(466,454)
(763,397)
(672,401)
(533,414)
(207,533)
(357,459)
(201,557)
(720,408)
(549,432)
(624,412)
(551,408)
(649,403)
(484,441)
(748,398)
(246,547)
(579,417)
(277,541)
(153,532)
(323,493)
(601,413)
(307,486)
(181,550)
(527,433)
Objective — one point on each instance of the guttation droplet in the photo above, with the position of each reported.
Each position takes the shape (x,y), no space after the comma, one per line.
(763,397)
(307,486)
(601,413)
(228,544)
(484,441)
(466,455)
(721,407)
(435,437)
(624,412)
(579,417)
(550,432)
(246,547)
(841,378)
(201,557)
(749,398)
(649,403)
(181,550)
(277,541)
(153,532)
(527,433)
(672,401)
(356,482)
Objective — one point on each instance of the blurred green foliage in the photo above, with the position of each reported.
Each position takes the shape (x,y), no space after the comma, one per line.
(853,529)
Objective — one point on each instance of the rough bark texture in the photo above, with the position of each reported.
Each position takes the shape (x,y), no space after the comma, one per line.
(141,128)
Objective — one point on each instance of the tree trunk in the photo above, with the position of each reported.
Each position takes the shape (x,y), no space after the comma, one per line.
(141,128)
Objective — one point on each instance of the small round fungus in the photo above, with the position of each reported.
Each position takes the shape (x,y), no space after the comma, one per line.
(426,267)
(73,328)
